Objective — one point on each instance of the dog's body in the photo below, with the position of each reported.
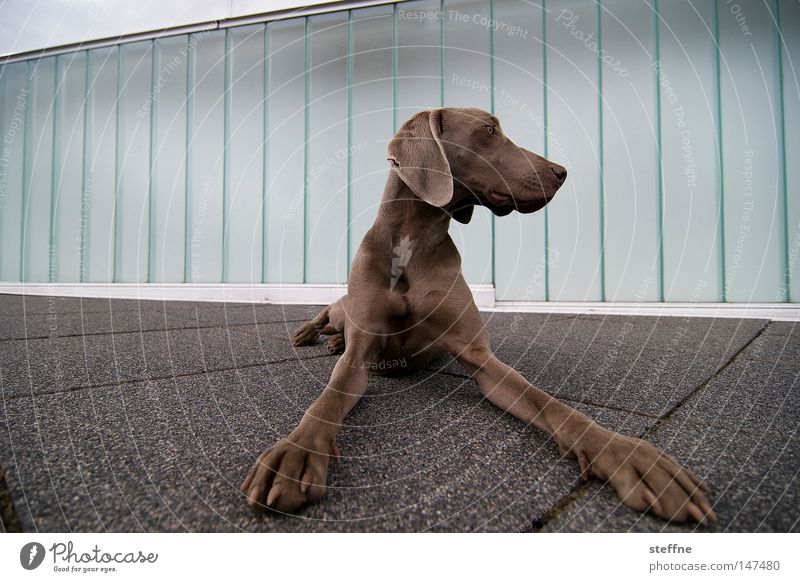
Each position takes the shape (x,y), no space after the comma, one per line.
(407,301)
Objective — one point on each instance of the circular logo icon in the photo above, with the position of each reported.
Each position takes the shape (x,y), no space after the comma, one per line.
(31,555)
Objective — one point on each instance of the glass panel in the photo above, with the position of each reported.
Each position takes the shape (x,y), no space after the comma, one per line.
(37,262)
(101,167)
(520,269)
(630,149)
(467,57)
(245,171)
(418,58)
(754,243)
(68,235)
(133,157)
(168,198)
(15,100)
(326,171)
(285,188)
(790,29)
(372,109)
(206,143)
(574,216)
(690,172)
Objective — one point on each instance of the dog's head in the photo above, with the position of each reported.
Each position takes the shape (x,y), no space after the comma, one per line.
(455,158)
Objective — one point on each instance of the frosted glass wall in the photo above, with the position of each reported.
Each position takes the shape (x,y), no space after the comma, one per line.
(258,154)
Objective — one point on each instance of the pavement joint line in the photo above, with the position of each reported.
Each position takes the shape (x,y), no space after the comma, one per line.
(582,489)
(575,400)
(70,389)
(666,416)
(609,407)
(558,317)
(112,332)
(446,373)
(591,402)
(576,493)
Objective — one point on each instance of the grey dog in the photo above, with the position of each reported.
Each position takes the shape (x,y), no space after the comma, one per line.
(444,162)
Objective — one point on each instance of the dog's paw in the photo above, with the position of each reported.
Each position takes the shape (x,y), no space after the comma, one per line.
(645,477)
(335,344)
(305,335)
(290,474)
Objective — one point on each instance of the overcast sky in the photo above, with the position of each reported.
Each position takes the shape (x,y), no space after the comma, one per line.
(27,25)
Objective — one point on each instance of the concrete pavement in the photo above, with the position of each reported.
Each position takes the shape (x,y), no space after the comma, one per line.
(144,416)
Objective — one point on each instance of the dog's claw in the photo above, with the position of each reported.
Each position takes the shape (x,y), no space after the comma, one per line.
(698,514)
(585,465)
(706,507)
(335,451)
(273,496)
(335,344)
(652,501)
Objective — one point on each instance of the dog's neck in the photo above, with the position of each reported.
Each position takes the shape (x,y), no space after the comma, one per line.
(404,214)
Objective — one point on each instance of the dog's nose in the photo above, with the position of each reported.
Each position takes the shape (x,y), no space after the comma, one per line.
(560,172)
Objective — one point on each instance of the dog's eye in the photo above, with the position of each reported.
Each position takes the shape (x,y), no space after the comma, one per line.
(491,129)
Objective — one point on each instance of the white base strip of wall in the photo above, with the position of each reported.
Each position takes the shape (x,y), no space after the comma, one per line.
(323,294)
(773,311)
(302,294)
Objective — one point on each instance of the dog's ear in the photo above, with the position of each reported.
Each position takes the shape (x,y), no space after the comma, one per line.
(418,157)
(464,215)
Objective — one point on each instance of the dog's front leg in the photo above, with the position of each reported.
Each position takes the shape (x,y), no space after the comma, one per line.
(294,471)
(643,476)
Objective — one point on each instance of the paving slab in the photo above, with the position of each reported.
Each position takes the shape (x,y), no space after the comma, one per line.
(419,453)
(749,396)
(221,314)
(48,365)
(152,427)
(778,344)
(740,432)
(753,479)
(646,367)
(691,334)
(787,328)
(44,305)
(203,313)
(40,326)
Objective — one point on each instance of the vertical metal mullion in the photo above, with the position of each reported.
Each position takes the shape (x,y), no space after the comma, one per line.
(117,169)
(441,53)
(226,125)
(155,65)
(51,254)
(187,259)
(306,116)
(787,281)
(30,86)
(600,146)
(720,159)
(491,107)
(546,150)
(659,153)
(350,50)
(85,179)
(3,91)
(265,157)
(395,68)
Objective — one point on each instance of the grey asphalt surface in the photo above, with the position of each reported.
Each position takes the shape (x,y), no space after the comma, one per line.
(124,415)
